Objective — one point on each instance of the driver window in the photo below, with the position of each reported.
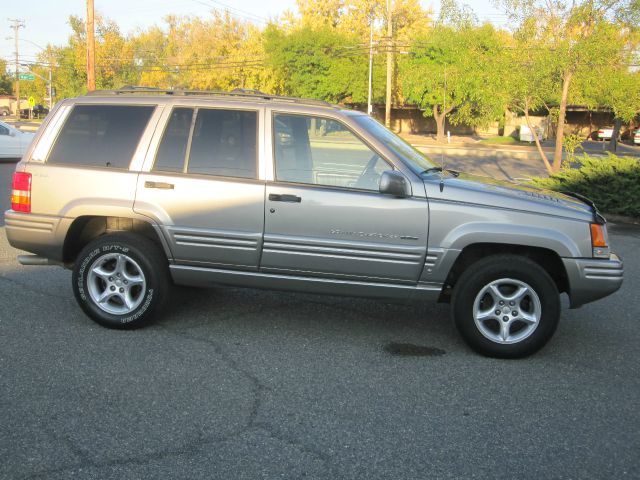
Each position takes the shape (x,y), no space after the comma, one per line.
(322,151)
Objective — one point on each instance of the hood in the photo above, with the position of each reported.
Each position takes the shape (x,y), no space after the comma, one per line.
(503,194)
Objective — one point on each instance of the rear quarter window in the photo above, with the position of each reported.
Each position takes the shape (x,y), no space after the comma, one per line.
(101,135)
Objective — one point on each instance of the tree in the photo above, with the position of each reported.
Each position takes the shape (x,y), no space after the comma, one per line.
(580,38)
(313,63)
(6,82)
(450,73)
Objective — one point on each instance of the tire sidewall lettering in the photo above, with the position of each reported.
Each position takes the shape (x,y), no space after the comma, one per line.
(81,280)
(81,273)
(141,309)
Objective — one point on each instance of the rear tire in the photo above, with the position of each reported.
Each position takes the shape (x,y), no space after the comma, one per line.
(121,280)
(506,306)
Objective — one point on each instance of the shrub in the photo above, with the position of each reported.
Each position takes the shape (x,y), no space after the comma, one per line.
(613,183)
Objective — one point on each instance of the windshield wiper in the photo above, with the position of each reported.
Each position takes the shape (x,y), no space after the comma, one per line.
(439,169)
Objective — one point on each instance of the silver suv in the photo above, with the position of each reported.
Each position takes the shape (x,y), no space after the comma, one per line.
(137,189)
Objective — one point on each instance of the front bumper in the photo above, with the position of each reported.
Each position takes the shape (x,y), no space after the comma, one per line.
(591,279)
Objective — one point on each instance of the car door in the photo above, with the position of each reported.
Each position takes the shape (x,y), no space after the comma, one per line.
(203,187)
(324,213)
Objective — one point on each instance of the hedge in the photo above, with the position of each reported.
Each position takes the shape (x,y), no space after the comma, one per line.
(612,182)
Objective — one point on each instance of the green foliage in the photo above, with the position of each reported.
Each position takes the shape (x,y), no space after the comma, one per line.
(571,144)
(312,63)
(613,183)
(6,83)
(452,70)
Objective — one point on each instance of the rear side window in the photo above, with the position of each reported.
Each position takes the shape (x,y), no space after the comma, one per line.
(173,147)
(224,143)
(101,135)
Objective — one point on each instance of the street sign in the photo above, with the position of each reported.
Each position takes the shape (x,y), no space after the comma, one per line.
(26,76)
(32,102)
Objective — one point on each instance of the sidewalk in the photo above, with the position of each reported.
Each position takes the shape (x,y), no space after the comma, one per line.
(469,142)
(23,124)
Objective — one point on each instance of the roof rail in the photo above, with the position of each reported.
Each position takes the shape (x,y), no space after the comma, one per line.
(238,92)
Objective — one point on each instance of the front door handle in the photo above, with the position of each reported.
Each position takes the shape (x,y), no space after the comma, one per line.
(163,185)
(277,197)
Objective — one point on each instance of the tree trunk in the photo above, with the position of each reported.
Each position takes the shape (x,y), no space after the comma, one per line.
(536,139)
(506,120)
(557,155)
(613,143)
(439,118)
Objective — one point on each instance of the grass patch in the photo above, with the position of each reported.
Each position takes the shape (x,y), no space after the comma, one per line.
(502,141)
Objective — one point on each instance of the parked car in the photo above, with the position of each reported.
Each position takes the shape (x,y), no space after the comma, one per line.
(13,142)
(134,191)
(38,111)
(526,134)
(4,111)
(605,133)
(636,137)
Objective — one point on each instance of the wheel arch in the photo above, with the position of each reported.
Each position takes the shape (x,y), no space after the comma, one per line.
(547,258)
(86,228)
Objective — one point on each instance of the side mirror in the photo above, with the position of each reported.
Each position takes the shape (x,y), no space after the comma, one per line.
(394,183)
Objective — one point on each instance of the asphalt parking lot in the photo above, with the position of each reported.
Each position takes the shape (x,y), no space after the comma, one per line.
(236,383)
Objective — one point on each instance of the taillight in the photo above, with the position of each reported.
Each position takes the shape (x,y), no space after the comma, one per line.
(21,192)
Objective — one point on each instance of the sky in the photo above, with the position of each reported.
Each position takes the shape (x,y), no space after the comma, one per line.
(46,20)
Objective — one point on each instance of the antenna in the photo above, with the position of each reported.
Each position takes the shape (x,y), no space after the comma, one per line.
(444,124)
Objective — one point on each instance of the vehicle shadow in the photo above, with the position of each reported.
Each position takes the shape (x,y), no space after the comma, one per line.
(266,317)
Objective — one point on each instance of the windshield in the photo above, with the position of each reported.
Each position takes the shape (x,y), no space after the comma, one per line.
(413,157)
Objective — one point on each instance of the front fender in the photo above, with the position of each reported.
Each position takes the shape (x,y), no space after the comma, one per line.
(510,234)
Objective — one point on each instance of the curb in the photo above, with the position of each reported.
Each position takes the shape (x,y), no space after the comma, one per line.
(614,218)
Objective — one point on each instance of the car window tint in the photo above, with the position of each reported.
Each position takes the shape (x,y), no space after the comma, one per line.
(4,130)
(224,143)
(101,135)
(173,147)
(322,151)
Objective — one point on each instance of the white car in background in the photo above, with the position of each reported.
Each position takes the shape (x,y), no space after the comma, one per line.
(605,133)
(13,142)
(526,133)
(636,137)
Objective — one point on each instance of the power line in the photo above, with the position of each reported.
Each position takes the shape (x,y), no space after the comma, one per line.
(232,10)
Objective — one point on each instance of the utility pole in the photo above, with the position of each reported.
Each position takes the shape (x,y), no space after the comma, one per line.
(17,25)
(91,49)
(50,89)
(387,113)
(369,106)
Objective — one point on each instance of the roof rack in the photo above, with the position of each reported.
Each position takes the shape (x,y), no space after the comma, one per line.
(238,92)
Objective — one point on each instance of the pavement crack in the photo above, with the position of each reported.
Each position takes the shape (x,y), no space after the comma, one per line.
(252,422)
(259,391)
(278,435)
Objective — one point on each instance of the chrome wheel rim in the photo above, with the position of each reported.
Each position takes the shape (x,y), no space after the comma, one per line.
(116,283)
(507,311)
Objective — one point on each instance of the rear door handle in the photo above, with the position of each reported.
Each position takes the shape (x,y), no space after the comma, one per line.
(163,185)
(276,197)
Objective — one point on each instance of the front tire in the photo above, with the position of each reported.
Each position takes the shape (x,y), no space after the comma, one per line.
(121,280)
(506,306)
